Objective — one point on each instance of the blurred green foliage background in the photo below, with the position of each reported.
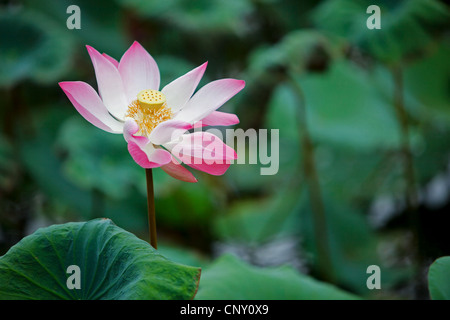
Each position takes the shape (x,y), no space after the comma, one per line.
(55,167)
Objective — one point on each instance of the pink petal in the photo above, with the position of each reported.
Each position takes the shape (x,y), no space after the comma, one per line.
(203,145)
(129,129)
(181,89)
(214,169)
(217,118)
(148,157)
(141,149)
(203,151)
(139,71)
(168,130)
(90,106)
(109,83)
(177,171)
(112,60)
(209,98)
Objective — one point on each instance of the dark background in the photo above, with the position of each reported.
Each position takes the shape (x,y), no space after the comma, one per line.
(368,146)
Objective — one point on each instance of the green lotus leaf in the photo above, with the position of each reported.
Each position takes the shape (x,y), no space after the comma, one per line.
(113,265)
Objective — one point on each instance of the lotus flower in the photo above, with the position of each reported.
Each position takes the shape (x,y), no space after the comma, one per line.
(156,124)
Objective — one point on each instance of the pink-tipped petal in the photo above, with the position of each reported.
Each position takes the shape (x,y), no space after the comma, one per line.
(211,146)
(148,157)
(90,106)
(214,169)
(129,129)
(112,60)
(218,118)
(168,131)
(177,171)
(181,89)
(109,83)
(141,149)
(203,151)
(139,71)
(209,98)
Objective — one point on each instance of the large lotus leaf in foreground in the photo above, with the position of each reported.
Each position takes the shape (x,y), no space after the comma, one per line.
(113,264)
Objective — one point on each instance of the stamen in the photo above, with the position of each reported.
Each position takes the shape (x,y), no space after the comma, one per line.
(149,110)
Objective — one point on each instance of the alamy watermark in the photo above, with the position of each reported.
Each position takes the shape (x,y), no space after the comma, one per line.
(374,280)
(74,20)
(251,147)
(74,280)
(374,21)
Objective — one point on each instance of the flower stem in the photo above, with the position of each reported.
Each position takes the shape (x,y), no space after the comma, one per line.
(324,262)
(151,208)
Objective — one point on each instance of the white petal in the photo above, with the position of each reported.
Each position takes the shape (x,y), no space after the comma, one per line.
(209,98)
(181,89)
(139,71)
(168,130)
(90,106)
(109,83)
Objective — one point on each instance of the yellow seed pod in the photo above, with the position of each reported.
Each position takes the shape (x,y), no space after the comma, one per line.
(151,99)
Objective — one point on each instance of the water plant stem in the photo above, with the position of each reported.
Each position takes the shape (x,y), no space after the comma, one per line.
(151,208)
